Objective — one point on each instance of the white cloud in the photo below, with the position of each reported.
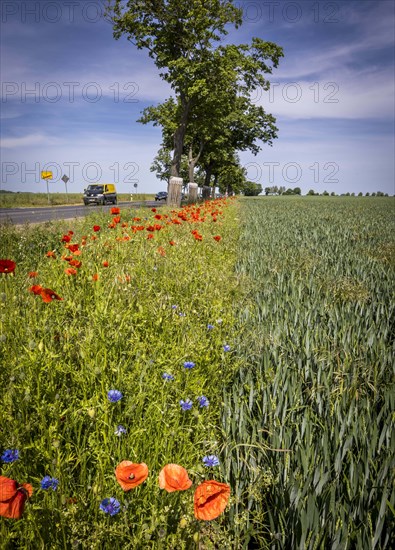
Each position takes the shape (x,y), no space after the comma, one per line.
(370,95)
(29,140)
(128,78)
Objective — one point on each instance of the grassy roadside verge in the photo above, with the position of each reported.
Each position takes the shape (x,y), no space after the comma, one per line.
(28,200)
(142,296)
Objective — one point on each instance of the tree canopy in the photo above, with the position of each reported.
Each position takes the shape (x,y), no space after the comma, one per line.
(211,115)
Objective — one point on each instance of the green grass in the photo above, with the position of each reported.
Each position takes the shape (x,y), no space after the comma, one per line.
(20,200)
(145,315)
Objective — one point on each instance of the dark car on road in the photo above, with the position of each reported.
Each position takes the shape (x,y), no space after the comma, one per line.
(100,193)
(161,196)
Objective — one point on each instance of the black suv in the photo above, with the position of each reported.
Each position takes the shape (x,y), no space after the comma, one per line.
(161,196)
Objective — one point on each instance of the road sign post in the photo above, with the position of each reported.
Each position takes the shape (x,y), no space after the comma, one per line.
(46,176)
(66,179)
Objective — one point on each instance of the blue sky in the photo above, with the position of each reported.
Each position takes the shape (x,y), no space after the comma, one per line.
(71,95)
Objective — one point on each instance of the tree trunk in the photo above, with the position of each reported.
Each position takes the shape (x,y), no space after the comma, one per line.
(214,185)
(191,166)
(192,162)
(179,136)
(207,178)
(174,192)
(192,192)
(207,182)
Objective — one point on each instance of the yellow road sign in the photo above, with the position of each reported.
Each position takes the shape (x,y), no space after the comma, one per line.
(46,175)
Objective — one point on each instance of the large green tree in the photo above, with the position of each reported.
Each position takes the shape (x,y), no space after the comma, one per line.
(180,38)
(223,122)
(252,189)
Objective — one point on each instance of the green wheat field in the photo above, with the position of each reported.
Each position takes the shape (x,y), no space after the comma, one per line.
(285,308)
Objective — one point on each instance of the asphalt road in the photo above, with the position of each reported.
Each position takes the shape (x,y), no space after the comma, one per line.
(19,216)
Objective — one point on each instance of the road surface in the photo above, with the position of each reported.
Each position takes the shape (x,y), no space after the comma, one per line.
(19,216)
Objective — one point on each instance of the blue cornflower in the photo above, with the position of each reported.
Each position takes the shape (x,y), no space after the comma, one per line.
(182,314)
(110,506)
(167,376)
(55,483)
(120,430)
(114,395)
(174,307)
(10,455)
(226,347)
(49,482)
(186,405)
(189,364)
(210,327)
(203,401)
(210,460)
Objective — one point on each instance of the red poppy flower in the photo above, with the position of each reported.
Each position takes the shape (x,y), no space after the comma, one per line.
(210,499)
(77,252)
(137,219)
(198,237)
(96,228)
(150,236)
(32,274)
(162,251)
(153,209)
(48,295)
(66,239)
(174,478)
(72,247)
(51,254)
(115,211)
(70,271)
(13,497)
(217,238)
(105,264)
(75,263)
(95,277)
(71,232)
(36,289)
(116,219)
(172,243)
(7,266)
(130,475)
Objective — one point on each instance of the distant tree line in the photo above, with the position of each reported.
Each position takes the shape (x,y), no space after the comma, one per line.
(274,190)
